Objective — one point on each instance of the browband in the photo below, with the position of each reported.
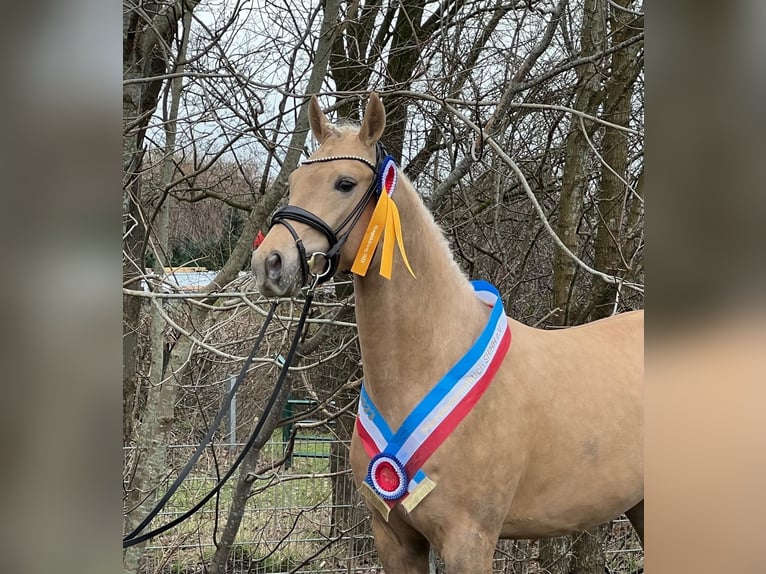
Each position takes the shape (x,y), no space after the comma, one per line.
(365,161)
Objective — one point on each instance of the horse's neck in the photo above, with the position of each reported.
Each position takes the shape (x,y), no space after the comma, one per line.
(412,330)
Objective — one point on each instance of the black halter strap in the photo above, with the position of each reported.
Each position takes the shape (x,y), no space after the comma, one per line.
(335,241)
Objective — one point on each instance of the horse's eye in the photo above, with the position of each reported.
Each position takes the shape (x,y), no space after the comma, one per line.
(345,185)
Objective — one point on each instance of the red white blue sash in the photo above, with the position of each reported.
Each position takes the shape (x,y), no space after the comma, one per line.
(394,472)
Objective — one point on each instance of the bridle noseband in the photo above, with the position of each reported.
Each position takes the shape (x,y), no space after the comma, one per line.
(294,213)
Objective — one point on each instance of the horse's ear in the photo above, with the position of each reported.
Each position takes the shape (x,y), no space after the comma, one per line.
(374,121)
(320,125)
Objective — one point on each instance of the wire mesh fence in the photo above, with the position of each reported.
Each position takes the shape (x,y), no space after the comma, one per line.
(306,517)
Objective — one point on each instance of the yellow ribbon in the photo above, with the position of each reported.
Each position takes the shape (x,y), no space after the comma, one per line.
(384,222)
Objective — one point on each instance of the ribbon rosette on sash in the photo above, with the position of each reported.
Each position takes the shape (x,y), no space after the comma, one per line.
(387,477)
(385,223)
(395,472)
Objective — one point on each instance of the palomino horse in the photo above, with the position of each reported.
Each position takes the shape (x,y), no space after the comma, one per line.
(554,442)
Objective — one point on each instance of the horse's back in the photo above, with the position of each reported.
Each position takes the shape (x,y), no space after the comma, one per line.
(623,328)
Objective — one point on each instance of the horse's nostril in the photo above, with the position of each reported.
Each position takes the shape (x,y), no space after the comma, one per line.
(274,266)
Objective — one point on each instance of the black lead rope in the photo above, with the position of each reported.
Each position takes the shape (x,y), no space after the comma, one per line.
(134,537)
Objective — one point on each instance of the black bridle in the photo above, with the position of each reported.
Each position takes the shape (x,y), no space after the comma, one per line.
(334,240)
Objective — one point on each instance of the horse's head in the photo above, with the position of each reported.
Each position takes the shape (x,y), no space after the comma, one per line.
(329,205)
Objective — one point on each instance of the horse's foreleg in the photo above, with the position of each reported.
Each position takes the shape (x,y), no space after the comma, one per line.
(402,549)
(636,517)
(468,551)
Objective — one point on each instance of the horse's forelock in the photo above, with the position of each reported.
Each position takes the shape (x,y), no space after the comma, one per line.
(344,129)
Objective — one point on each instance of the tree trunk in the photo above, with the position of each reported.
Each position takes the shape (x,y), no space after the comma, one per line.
(153,433)
(132,225)
(588,551)
(142,59)
(576,167)
(610,256)
(555,555)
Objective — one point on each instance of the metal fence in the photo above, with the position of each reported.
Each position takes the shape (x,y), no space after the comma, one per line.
(305,518)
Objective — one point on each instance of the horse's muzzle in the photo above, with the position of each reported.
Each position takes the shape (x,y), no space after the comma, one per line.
(275,274)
